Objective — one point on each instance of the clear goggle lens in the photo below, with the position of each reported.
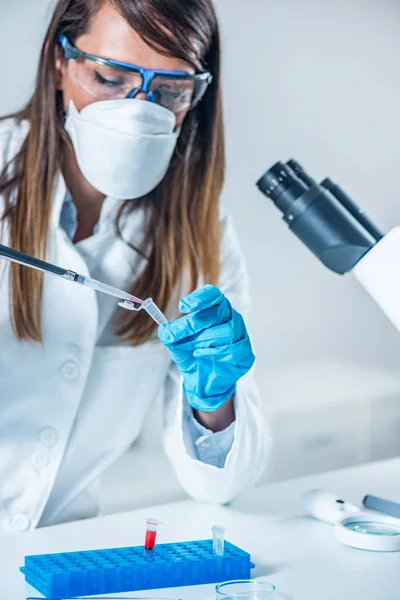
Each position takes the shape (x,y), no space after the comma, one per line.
(103,82)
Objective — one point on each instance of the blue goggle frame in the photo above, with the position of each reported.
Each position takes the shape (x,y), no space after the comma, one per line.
(70,52)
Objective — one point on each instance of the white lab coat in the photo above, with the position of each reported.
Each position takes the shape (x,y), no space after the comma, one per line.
(70,407)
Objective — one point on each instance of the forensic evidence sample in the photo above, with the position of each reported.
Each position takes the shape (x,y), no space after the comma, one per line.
(151,533)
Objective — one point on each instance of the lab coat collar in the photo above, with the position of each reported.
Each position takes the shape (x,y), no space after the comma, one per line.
(108,211)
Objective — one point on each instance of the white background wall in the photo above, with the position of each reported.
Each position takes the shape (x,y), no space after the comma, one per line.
(313,79)
(316,80)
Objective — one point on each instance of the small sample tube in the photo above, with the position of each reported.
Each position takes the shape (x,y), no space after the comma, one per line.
(154,312)
(151,533)
(152,309)
(218,534)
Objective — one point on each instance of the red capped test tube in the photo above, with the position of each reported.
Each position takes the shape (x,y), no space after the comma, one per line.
(151,533)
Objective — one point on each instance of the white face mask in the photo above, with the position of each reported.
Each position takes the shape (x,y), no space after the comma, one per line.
(123,147)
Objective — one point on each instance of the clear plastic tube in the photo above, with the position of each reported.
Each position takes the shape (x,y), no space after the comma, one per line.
(218,533)
(152,309)
(154,312)
(151,533)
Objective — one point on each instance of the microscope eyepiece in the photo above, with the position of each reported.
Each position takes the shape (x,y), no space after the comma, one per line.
(322,216)
(301,174)
(282,185)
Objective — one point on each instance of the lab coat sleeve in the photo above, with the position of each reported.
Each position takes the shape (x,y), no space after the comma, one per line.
(247,457)
(211,448)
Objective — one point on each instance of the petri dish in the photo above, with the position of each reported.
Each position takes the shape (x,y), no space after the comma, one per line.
(244,589)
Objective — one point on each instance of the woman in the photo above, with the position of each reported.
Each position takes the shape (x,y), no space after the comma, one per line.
(116,170)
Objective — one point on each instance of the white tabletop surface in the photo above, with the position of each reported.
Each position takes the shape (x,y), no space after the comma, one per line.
(297,554)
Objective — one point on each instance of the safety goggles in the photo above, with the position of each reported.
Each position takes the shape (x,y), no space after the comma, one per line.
(107,79)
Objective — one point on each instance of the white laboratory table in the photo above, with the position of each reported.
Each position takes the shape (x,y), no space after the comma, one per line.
(299,555)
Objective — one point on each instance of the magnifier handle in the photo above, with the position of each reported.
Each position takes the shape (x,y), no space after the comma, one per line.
(328,507)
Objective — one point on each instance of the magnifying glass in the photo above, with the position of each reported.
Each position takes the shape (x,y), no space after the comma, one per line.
(354,527)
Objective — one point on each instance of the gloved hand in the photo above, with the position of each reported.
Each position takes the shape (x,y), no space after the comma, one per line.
(211,347)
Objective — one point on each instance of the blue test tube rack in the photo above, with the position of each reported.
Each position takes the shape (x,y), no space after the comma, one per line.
(134,569)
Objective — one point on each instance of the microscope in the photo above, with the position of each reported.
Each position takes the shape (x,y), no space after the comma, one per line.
(338,232)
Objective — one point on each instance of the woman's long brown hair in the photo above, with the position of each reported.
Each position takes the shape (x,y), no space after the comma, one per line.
(182,237)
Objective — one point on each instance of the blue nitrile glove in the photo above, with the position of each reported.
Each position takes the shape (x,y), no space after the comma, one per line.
(211,347)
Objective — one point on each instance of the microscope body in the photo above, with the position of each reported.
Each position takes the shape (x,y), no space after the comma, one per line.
(379,274)
(338,232)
